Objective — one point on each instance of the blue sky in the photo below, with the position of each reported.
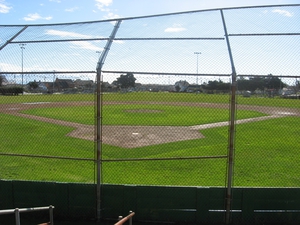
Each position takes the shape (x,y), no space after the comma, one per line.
(252,55)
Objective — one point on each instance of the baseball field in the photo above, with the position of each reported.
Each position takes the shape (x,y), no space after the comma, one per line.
(51,138)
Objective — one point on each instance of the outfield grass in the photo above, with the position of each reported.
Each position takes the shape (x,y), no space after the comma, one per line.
(266,151)
(25,136)
(154,96)
(137,114)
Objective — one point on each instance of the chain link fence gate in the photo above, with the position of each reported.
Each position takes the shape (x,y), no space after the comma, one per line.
(172,127)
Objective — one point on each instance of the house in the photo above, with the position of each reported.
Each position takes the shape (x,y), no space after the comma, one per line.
(84,84)
(61,85)
(194,88)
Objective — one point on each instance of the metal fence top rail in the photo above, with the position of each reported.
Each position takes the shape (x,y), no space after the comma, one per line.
(167,74)
(156,15)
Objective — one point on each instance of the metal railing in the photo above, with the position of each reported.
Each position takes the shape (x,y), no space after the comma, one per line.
(17,212)
(123,220)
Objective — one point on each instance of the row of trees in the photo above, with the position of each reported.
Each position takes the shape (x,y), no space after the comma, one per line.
(252,83)
(9,90)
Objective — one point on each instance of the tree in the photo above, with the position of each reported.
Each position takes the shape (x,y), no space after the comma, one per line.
(1,80)
(33,85)
(261,83)
(125,81)
(181,86)
(272,82)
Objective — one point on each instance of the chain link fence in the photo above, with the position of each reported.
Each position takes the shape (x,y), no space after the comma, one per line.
(181,124)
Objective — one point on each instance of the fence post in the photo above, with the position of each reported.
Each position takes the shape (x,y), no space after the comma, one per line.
(51,214)
(231,128)
(17,216)
(99,116)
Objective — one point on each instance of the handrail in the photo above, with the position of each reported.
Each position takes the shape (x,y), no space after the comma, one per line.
(17,212)
(129,217)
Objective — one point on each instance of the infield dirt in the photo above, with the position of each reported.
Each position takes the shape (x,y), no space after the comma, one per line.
(139,136)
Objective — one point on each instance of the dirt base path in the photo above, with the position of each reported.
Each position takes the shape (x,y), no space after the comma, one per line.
(139,136)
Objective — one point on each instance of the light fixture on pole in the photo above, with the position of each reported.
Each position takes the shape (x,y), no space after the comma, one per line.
(197,53)
(22,49)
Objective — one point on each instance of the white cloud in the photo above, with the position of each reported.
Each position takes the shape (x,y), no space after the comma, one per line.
(66,34)
(4,8)
(283,12)
(102,3)
(175,28)
(111,16)
(71,9)
(36,16)
(58,1)
(85,45)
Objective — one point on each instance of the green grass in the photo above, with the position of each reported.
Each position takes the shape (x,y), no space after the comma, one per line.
(259,161)
(266,154)
(136,114)
(24,136)
(156,97)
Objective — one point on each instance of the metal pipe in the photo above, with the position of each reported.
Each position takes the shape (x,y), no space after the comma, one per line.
(129,217)
(17,216)
(51,214)
(231,127)
(13,37)
(99,116)
(167,158)
(266,34)
(112,160)
(17,212)
(45,157)
(11,211)
(119,39)
(156,15)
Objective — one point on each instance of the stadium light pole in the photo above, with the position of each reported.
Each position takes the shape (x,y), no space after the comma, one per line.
(22,49)
(53,81)
(197,53)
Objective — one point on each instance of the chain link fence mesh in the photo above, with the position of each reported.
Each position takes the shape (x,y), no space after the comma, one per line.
(172,127)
